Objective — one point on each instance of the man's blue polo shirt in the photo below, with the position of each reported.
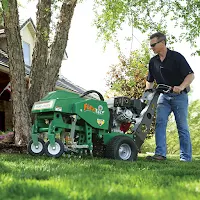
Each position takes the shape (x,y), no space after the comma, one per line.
(171,71)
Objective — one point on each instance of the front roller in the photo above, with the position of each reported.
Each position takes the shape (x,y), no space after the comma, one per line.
(54,151)
(121,148)
(36,150)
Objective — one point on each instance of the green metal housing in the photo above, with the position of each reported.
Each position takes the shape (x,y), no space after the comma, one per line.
(64,113)
(75,124)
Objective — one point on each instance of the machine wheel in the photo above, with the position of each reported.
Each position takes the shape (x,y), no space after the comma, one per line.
(57,152)
(36,151)
(121,148)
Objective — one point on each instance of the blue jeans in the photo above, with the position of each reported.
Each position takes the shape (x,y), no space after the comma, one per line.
(178,104)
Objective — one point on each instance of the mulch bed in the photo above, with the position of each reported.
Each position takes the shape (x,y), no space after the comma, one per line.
(12,148)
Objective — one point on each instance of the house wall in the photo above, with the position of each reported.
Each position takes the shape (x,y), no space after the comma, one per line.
(6,107)
(28,38)
(3,44)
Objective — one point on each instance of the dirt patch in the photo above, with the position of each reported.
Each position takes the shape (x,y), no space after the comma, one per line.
(7,144)
(12,148)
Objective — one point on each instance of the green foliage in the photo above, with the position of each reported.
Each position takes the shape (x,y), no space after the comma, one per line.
(187,15)
(113,14)
(148,16)
(24,177)
(4,6)
(128,78)
(194,124)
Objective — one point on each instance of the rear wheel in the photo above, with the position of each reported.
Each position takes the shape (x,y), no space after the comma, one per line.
(56,151)
(36,150)
(121,148)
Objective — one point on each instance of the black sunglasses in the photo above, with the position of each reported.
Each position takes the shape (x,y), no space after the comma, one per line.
(154,44)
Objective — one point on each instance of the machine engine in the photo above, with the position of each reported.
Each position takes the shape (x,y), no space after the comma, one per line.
(123,112)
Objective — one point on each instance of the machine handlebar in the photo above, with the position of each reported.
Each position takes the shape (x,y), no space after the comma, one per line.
(164,88)
(93,91)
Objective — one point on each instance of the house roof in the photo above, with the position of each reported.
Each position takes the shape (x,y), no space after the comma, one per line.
(3,58)
(61,82)
(23,23)
(2,33)
(29,22)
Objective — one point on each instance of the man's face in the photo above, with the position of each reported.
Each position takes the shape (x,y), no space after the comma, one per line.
(156,44)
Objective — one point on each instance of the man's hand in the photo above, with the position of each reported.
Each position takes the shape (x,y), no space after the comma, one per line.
(149,85)
(178,89)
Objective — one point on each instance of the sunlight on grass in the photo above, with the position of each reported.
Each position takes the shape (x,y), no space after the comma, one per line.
(27,177)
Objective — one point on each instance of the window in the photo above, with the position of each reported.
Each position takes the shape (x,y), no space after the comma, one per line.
(26,51)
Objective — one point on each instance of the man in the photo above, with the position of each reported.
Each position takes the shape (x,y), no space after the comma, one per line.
(170,68)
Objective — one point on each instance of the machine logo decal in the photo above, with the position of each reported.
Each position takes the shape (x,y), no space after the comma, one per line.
(89,107)
(100,122)
(43,105)
(57,108)
(99,110)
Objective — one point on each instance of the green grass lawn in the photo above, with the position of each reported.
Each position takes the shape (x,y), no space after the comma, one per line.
(27,177)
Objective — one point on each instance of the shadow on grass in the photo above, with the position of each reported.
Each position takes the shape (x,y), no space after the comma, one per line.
(4,169)
(29,190)
(118,196)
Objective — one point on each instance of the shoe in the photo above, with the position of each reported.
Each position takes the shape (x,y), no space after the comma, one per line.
(156,157)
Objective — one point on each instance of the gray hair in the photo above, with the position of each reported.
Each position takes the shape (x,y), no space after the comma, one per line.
(160,36)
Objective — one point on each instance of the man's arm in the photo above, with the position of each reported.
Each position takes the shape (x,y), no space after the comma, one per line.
(149,85)
(187,81)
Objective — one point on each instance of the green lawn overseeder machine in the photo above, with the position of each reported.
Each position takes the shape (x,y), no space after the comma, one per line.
(74,124)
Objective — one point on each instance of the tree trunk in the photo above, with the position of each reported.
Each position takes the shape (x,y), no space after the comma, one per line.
(44,71)
(58,46)
(21,115)
(40,52)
